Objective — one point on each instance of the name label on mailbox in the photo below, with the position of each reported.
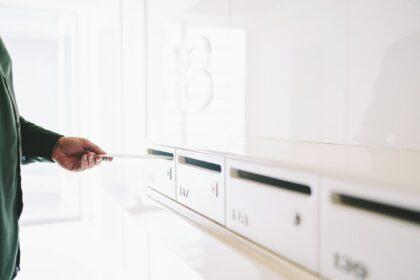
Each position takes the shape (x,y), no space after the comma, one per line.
(184,192)
(349,266)
(240,217)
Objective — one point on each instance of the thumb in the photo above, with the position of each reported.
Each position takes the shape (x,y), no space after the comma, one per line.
(91,147)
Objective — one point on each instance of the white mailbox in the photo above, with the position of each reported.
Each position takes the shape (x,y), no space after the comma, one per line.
(274,207)
(201,184)
(161,171)
(368,232)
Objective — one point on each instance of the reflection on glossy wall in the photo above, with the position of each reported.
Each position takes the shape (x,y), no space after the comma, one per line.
(326,71)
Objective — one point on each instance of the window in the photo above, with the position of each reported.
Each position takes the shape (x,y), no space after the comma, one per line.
(42,47)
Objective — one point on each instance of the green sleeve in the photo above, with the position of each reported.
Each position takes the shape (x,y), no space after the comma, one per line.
(37,142)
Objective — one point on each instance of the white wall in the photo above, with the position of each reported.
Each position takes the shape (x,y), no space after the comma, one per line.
(339,72)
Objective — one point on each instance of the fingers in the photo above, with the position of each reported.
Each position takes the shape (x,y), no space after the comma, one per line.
(92,158)
(84,164)
(78,154)
(91,147)
(89,160)
(98,159)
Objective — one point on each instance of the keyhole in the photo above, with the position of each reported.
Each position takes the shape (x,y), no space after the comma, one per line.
(297,219)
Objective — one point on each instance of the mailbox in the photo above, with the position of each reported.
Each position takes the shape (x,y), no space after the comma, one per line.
(274,207)
(201,183)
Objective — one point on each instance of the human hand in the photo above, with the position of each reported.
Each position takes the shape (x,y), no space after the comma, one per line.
(76,154)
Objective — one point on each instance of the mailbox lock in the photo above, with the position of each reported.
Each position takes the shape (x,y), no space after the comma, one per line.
(297,219)
(169,173)
(214,189)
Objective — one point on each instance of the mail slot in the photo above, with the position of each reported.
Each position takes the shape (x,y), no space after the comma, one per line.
(161,170)
(368,232)
(274,207)
(201,184)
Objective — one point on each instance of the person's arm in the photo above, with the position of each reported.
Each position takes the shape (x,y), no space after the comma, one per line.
(71,153)
(37,142)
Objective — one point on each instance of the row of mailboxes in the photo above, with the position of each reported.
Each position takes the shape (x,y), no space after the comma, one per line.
(336,229)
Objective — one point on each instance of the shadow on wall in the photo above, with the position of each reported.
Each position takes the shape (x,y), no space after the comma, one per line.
(393,117)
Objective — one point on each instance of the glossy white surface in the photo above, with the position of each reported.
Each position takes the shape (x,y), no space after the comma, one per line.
(361,244)
(165,240)
(340,242)
(282,220)
(201,189)
(328,88)
(316,71)
(387,168)
(202,249)
(334,72)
